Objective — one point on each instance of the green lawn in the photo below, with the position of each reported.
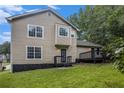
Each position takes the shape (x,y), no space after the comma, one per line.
(83,75)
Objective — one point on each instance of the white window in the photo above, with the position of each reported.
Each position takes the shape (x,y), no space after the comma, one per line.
(33,52)
(37,52)
(73,34)
(35,31)
(31,31)
(63,31)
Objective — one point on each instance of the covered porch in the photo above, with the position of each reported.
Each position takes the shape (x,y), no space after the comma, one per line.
(93,56)
(62,59)
(58,61)
(93,53)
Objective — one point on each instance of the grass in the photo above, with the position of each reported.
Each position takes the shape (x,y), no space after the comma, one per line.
(78,76)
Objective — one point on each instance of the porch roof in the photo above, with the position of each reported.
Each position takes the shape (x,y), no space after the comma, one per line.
(82,43)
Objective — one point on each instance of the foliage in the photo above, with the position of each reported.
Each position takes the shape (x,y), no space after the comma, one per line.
(5,49)
(119,61)
(115,44)
(103,25)
(92,23)
(78,76)
(116,48)
(118,54)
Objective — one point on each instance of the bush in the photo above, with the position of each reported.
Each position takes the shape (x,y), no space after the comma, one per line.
(116,50)
(119,61)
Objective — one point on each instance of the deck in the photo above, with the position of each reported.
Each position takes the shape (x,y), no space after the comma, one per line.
(92,57)
(90,60)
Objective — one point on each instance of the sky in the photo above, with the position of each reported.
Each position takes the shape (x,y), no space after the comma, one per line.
(10,10)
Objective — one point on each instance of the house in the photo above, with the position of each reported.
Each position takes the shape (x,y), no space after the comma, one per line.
(41,39)
(1,60)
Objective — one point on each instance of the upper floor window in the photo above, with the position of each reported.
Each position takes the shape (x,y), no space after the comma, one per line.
(73,34)
(63,31)
(35,31)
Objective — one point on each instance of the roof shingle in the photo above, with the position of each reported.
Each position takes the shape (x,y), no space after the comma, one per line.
(82,43)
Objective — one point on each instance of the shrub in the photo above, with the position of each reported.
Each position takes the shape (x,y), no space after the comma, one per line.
(116,49)
(119,61)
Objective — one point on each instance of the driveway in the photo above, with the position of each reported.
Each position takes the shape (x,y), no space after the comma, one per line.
(7,67)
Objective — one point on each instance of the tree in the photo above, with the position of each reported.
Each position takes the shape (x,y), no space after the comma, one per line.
(103,25)
(5,49)
(91,23)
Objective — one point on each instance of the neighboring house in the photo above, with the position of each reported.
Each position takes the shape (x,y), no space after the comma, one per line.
(40,38)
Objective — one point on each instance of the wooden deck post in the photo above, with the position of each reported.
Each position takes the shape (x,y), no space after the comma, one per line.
(55,60)
(93,55)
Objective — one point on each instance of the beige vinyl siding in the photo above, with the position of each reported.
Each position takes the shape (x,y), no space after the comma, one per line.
(82,50)
(62,40)
(20,39)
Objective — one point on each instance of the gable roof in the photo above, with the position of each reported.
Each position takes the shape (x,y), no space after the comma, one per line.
(11,18)
(81,43)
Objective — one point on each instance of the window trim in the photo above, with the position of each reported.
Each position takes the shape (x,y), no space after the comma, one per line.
(35,33)
(68,30)
(34,53)
(30,52)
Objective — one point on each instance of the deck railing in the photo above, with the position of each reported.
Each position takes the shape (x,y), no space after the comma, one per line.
(57,59)
(85,55)
(89,54)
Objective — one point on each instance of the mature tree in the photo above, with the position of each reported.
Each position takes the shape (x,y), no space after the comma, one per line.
(5,49)
(93,23)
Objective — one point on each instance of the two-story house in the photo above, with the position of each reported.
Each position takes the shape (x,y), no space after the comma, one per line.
(41,39)
(38,36)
